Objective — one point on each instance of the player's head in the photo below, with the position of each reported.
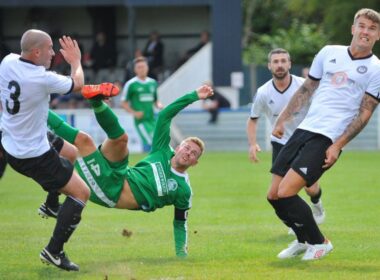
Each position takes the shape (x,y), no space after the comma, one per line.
(279,63)
(141,67)
(188,152)
(37,46)
(365,29)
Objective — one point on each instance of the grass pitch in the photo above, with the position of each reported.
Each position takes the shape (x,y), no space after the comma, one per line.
(233,232)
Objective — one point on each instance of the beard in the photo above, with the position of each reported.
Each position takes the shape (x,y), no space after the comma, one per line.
(280,76)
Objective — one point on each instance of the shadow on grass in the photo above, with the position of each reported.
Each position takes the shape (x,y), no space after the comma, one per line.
(52,272)
(325,266)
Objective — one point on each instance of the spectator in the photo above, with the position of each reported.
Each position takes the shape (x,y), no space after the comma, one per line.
(214,103)
(204,39)
(103,54)
(154,51)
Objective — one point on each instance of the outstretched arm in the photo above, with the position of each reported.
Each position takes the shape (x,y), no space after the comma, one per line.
(161,137)
(299,100)
(367,107)
(180,232)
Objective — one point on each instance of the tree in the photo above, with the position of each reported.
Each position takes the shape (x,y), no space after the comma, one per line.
(301,40)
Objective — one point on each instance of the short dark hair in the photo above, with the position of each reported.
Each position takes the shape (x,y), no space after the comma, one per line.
(140,59)
(277,51)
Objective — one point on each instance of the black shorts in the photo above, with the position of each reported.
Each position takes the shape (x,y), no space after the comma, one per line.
(55,141)
(3,162)
(305,153)
(49,170)
(276,148)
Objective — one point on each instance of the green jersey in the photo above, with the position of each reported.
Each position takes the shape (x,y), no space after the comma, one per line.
(153,181)
(141,96)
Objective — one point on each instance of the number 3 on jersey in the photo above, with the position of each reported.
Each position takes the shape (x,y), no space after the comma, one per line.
(13,85)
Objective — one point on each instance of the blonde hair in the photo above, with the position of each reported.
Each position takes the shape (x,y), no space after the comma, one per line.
(369,14)
(196,141)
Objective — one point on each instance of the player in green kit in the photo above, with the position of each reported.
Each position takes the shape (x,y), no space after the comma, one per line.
(138,98)
(158,180)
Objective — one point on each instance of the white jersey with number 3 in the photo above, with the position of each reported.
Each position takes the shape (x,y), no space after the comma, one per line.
(343,82)
(25,90)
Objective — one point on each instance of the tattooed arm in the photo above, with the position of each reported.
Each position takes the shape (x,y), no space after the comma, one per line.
(299,100)
(367,107)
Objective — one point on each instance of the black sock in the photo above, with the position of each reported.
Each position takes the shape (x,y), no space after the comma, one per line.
(284,217)
(315,199)
(301,216)
(52,200)
(68,219)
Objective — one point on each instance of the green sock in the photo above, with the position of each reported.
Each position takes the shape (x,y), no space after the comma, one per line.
(107,119)
(61,128)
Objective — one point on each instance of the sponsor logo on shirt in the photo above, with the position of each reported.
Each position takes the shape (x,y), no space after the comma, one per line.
(146,97)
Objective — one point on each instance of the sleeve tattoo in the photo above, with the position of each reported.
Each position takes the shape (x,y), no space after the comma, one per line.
(366,109)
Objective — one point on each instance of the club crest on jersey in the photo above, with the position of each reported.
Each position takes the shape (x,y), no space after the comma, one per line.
(362,69)
(172,185)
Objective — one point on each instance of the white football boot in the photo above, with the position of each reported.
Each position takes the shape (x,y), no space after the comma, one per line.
(294,249)
(317,251)
(318,212)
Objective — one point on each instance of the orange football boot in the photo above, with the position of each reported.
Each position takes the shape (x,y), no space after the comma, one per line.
(103,90)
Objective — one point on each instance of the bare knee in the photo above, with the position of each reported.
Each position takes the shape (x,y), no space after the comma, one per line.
(272,193)
(84,142)
(121,142)
(313,190)
(76,188)
(282,191)
(69,152)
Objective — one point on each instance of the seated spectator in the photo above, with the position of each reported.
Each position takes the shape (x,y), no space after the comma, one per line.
(214,103)
(154,51)
(204,39)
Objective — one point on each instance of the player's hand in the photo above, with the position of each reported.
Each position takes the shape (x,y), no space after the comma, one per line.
(332,154)
(159,105)
(70,50)
(278,130)
(253,152)
(138,115)
(205,91)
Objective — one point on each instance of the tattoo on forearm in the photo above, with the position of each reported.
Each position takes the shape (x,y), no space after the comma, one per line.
(300,99)
(367,107)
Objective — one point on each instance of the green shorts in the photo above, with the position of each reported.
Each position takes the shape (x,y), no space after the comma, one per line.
(105,178)
(145,130)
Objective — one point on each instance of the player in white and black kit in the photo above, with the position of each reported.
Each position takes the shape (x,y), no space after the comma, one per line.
(25,86)
(340,78)
(270,99)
